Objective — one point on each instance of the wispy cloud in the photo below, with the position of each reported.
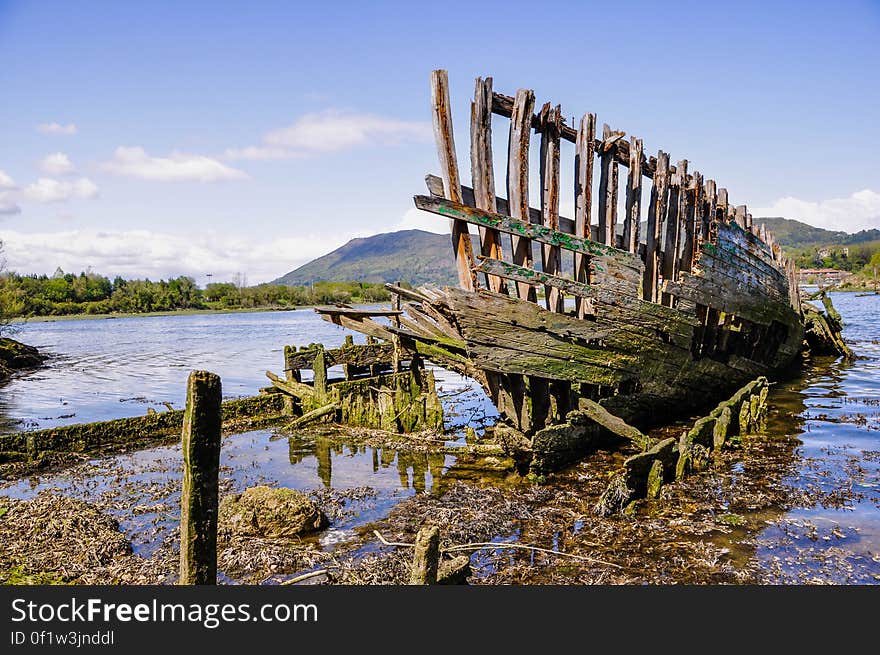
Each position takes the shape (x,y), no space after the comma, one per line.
(6,182)
(859,211)
(56,128)
(47,190)
(8,206)
(57,164)
(332,130)
(144,253)
(179,166)
(416,219)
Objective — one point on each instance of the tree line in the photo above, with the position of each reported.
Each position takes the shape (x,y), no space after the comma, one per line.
(90,293)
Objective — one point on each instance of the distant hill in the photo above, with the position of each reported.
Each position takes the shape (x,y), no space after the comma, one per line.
(795,234)
(420,257)
(413,256)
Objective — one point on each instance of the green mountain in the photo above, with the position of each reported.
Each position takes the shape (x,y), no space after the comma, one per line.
(412,256)
(795,234)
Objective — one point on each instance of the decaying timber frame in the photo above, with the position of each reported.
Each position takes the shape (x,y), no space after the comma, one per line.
(660,323)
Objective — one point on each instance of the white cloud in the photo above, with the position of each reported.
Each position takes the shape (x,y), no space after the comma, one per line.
(56,128)
(416,219)
(143,253)
(8,207)
(135,162)
(331,131)
(859,211)
(57,164)
(6,182)
(46,190)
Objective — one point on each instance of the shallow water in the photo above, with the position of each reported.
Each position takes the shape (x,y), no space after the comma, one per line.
(828,530)
(834,410)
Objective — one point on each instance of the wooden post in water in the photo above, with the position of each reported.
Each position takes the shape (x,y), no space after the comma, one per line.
(202,423)
(583,197)
(426,557)
(319,366)
(461,238)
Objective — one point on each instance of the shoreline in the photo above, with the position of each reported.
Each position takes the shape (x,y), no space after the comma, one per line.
(173,312)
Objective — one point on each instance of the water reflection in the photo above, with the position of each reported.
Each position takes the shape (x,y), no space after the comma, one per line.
(420,472)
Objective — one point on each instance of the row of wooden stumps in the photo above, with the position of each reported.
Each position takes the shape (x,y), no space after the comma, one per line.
(644,475)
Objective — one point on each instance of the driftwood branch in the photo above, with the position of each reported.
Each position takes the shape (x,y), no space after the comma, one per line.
(491,545)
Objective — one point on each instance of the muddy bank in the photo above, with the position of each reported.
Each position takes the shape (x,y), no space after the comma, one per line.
(17,356)
(731,524)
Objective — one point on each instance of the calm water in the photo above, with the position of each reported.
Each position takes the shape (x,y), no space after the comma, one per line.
(112,368)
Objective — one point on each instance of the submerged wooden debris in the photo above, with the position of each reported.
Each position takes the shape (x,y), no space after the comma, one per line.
(379,388)
(137,431)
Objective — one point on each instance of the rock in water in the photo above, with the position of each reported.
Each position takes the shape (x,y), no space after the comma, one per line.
(270,512)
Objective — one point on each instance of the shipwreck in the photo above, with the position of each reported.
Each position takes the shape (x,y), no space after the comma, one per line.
(665,300)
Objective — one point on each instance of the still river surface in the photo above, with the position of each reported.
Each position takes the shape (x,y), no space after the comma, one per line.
(111,368)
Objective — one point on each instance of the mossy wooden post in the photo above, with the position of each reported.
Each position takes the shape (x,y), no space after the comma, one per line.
(426,556)
(201,467)
(291,376)
(320,369)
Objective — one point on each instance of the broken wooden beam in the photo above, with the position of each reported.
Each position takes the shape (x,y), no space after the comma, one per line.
(613,423)
(312,416)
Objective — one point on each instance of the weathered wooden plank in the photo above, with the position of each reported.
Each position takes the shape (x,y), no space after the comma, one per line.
(502,206)
(613,423)
(518,180)
(533,277)
(730,296)
(633,197)
(583,198)
(351,311)
(608,185)
(502,105)
(551,255)
(364,325)
(690,220)
(708,215)
(673,221)
(538,233)
(442,120)
(656,211)
(482,172)
(721,206)
(361,355)
(741,216)
(291,387)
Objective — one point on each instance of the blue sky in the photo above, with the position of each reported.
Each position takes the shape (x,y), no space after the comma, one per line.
(169,138)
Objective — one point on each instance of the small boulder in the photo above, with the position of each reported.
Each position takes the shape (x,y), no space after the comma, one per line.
(274,513)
